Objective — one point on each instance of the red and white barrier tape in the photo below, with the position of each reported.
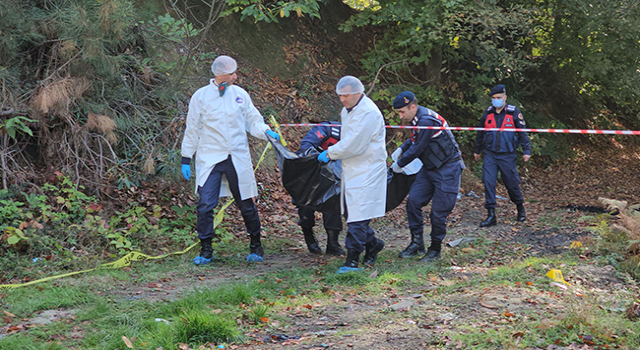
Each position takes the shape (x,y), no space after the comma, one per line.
(465,128)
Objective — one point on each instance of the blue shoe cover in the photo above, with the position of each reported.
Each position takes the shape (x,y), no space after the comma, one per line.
(254,258)
(201,261)
(345,269)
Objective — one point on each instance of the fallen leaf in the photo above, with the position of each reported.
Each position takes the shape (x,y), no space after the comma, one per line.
(508,314)
(183,346)
(127,342)
(517,334)
(529,283)
(307,306)
(374,274)
(17,328)
(9,314)
(264,319)
(7,319)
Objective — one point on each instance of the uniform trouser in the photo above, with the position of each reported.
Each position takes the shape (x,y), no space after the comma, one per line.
(308,219)
(209,199)
(507,164)
(358,235)
(442,185)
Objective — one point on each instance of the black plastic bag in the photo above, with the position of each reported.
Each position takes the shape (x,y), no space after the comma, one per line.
(309,183)
(317,185)
(398,186)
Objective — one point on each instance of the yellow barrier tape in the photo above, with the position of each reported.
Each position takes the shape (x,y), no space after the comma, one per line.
(133,256)
(122,262)
(218,218)
(277,126)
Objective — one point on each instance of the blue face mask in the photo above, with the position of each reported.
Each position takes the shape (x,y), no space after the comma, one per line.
(497,102)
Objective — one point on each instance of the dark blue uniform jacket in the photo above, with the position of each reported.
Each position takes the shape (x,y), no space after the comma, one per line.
(320,137)
(502,141)
(427,142)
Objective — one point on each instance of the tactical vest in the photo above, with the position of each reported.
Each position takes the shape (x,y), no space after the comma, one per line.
(442,147)
(501,141)
(332,139)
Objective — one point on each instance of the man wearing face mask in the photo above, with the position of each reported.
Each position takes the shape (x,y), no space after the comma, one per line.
(500,153)
(219,118)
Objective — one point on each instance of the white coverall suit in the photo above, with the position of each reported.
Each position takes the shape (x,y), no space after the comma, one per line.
(216,133)
(364,170)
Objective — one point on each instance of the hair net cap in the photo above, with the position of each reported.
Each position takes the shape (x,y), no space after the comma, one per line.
(223,65)
(349,85)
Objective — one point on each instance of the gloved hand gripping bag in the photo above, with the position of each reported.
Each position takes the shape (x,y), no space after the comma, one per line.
(309,182)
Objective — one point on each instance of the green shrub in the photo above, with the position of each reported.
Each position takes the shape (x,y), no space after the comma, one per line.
(199,327)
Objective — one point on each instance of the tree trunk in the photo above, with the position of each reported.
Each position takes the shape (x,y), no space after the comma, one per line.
(434,67)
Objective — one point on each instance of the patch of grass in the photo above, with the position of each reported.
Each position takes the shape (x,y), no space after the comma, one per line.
(357,278)
(257,313)
(25,342)
(223,297)
(197,327)
(27,300)
(208,315)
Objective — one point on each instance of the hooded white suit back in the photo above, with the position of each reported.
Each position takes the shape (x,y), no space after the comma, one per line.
(217,127)
(364,168)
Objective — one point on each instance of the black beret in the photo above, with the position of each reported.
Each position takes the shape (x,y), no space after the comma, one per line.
(403,99)
(498,89)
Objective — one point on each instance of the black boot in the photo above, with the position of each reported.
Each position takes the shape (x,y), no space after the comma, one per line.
(310,239)
(256,252)
(431,256)
(433,253)
(333,244)
(490,220)
(206,252)
(371,252)
(351,264)
(415,247)
(522,216)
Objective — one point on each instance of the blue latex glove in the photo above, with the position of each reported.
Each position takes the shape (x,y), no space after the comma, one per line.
(273,134)
(323,157)
(186,171)
(396,168)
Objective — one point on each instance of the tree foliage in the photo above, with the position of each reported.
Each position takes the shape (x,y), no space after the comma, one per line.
(271,10)
(450,52)
(102,79)
(596,44)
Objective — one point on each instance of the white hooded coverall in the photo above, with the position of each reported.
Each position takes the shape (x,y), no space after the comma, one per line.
(217,127)
(364,168)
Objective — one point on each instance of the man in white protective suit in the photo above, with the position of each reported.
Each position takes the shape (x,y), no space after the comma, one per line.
(364,171)
(219,118)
